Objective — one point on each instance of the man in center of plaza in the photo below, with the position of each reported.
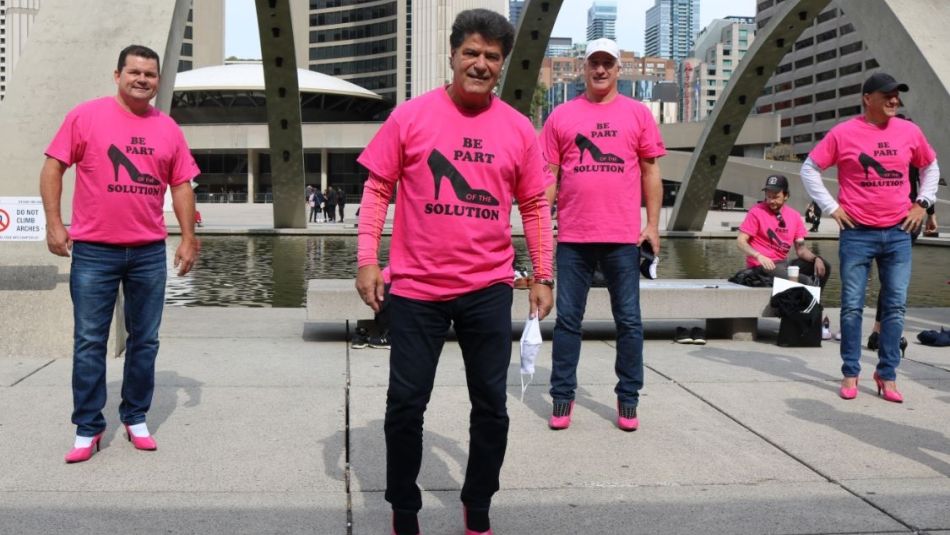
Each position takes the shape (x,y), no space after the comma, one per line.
(603,147)
(459,155)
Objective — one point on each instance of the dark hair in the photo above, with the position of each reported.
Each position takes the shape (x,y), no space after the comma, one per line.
(490,25)
(140,51)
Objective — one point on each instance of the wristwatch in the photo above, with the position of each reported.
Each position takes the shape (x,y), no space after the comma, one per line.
(546,282)
(923,203)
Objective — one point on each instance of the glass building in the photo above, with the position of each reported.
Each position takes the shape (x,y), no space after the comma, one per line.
(671,26)
(602,20)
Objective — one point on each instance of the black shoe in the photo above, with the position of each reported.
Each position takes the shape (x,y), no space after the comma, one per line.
(360,338)
(903,346)
(682,336)
(874,341)
(698,334)
(379,342)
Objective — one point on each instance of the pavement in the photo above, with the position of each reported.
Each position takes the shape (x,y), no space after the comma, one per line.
(266,424)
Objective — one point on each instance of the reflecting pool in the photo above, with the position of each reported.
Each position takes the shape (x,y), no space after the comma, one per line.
(272,271)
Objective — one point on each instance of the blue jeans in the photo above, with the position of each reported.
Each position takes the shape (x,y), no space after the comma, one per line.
(575,270)
(97,270)
(890,247)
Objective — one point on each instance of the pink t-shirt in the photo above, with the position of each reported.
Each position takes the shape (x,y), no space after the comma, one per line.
(456,172)
(874,167)
(124,164)
(598,148)
(768,235)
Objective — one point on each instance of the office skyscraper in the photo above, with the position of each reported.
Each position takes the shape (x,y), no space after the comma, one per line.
(602,20)
(818,84)
(671,26)
(515,7)
(718,50)
(364,44)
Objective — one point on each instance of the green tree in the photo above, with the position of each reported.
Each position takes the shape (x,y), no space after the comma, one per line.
(538,103)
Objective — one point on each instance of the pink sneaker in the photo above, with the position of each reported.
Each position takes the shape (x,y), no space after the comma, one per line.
(561,415)
(627,418)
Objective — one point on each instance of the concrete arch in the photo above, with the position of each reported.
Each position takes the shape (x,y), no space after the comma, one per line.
(723,125)
(283,111)
(524,62)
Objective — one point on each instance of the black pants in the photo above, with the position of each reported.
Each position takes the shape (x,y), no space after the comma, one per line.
(341,207)
(329,212)
(482,321)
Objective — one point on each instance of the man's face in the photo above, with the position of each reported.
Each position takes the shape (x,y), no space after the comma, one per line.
(138,79)
(880,105)
(775,199)
(476,65)
(601,71)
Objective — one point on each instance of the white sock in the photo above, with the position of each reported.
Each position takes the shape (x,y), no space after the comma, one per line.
(82,442)
(139,430)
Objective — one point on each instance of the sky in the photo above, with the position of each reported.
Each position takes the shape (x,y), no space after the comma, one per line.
(241,37)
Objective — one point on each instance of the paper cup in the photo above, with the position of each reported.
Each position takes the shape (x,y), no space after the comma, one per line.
(792,273)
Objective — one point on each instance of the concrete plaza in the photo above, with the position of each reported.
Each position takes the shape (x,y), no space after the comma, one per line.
(268,425)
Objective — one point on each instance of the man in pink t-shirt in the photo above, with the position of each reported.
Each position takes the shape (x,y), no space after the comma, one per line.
(603,148)
(127,154)
(771,229)
(873,153)
(460,156)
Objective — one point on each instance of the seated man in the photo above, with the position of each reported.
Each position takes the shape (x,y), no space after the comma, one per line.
(768,232)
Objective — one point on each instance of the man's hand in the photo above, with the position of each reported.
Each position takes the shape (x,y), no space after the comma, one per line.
(540,300)
(766,262)
(370,285)
(652,235)
(931,224)
(187,254)
(842,218)
(57,239)
(819,267)
(914,219)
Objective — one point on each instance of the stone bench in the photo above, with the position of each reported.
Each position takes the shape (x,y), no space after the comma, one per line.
(730,310)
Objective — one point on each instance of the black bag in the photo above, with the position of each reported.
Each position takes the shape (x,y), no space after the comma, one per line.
(801,318)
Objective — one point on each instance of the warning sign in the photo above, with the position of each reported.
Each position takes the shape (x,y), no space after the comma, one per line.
(22,219)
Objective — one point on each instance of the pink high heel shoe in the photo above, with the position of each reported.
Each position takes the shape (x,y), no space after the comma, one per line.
(889,395)
(470,531)
(78,455)
(849,393)
(627,418)
(561,415)
(141,443)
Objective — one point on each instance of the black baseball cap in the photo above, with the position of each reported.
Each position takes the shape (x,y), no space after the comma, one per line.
(883,82)
(776,183)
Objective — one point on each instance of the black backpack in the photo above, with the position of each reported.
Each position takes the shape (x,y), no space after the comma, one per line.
(801,317)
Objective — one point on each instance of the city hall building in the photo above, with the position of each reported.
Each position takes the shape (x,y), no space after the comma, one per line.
(223,114)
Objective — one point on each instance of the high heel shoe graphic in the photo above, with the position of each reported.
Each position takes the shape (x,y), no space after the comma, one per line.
(584,144)
(867,161)
(889,395)
(117,158)
(442,167)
